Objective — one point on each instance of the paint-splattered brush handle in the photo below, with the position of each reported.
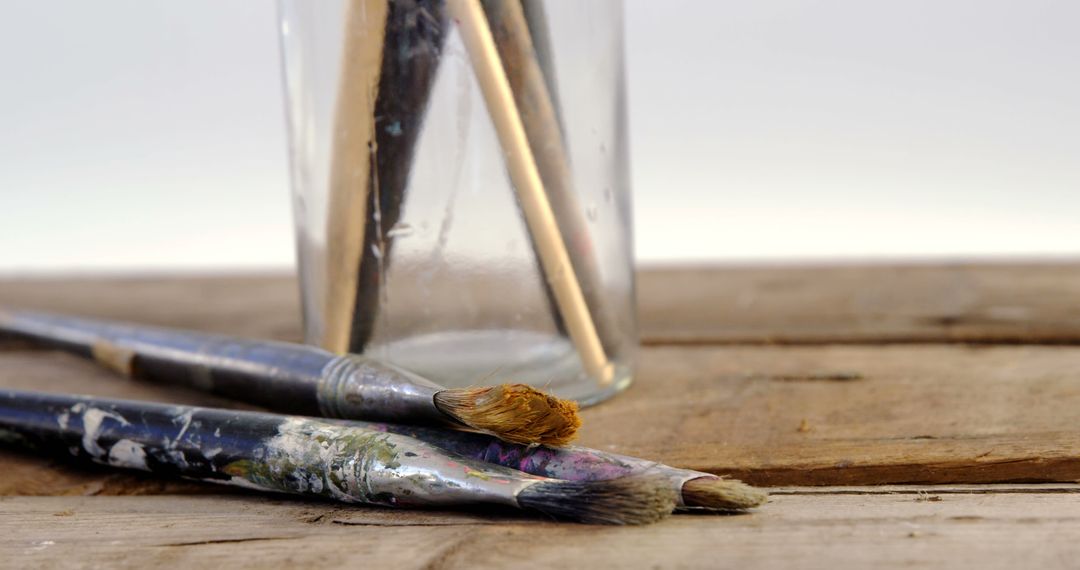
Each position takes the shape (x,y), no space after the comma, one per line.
(284,377)
(257,450)
(570,463)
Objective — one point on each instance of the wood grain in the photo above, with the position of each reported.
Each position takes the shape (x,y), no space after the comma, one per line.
(948,374)
(255,305)
(807,415)
(853,414)
(986,303)
(880,530)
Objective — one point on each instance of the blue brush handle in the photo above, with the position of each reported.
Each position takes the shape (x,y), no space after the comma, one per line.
(165,439)
(282,376)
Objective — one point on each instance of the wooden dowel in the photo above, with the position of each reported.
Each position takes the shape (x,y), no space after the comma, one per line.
(350,168)
(532,197)
(391,53)
(531,81)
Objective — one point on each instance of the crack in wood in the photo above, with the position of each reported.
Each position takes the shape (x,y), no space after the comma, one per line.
(228,541)
(406,524)
(885,339)
(443,558)
(821,376)
(931,490)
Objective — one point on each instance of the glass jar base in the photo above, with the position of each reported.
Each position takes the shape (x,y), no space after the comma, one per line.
(489,357)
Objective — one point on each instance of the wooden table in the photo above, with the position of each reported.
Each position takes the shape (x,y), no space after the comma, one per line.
(903,415)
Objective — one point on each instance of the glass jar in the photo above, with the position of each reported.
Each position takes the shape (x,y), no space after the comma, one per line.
(461,189)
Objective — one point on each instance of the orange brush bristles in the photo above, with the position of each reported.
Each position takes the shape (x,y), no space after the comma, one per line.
(513,412)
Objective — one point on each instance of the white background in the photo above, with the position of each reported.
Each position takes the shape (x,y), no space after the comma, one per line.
(143,135)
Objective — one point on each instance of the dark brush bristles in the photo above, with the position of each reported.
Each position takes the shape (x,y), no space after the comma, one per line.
(513,412)
(724,494)
(626,500)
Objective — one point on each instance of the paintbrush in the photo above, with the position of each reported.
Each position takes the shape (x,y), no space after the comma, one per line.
(390,56)
(349,183)
(300,379)
(308,456)
(695,489)
(520,32)
(541,216)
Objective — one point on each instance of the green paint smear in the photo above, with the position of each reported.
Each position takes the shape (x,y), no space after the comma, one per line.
(306,459)
(8,437)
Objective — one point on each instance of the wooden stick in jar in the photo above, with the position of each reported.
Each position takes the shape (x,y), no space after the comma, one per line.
(528,183)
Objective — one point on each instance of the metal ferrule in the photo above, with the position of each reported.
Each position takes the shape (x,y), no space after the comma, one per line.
(678,478)
(354,386)
(268,452)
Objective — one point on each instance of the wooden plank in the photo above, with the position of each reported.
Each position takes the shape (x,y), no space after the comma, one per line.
(810,415)
(807,415)
(990,303)
(264,306)
(853,415)
(881,530)
(987,303)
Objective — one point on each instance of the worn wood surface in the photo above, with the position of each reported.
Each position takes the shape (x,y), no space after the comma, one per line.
(806,415)
(986,303)
(807,377)
(989,303)
(819,530)
(258,306)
